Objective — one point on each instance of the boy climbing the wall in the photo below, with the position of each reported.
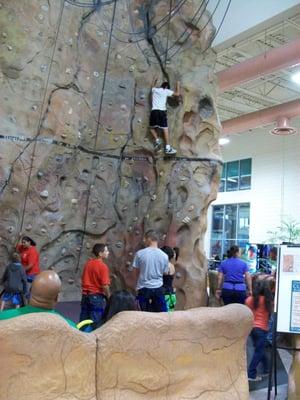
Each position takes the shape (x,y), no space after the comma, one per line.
(158,116)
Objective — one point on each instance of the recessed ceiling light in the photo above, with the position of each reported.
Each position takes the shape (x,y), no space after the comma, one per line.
(296,77)
(223,141)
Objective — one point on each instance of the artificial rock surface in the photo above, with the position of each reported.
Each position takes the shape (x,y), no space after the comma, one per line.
(77,164)
(194,354)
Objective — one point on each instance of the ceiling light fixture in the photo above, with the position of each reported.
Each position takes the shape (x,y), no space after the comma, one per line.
(296,77)
(283,127)
(223,141)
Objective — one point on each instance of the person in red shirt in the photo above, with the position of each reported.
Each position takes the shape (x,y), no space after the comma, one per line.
(261,304)
(95,283)
(30,257)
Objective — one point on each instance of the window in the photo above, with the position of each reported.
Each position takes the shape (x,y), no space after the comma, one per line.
(236,175)
(230,225)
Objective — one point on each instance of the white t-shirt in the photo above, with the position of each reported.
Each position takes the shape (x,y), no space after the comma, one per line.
(159,98)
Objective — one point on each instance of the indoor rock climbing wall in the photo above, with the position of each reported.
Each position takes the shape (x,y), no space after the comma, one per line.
(77,164)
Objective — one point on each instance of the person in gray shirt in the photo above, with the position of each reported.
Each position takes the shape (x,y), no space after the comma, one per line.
(152,264)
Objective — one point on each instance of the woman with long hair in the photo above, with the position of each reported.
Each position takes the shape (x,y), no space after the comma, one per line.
(30,257)
(232,278)
(261,304)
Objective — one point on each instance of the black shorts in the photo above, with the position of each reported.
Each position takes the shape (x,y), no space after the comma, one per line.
(158,119)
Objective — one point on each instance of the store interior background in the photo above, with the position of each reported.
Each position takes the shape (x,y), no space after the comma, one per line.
(270,195)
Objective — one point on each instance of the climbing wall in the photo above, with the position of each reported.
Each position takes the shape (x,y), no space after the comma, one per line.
(77,164)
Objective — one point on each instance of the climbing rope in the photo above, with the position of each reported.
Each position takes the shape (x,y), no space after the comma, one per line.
(217,31)
(40,117)
(168,33)
(98,128)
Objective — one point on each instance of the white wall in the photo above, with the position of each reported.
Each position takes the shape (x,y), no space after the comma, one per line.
(275,184)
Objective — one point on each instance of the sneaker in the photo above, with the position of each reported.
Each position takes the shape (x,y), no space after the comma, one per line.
(157,144)
(170,150)
(264,375)
(256,379)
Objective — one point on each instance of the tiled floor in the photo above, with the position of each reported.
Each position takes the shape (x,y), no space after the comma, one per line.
(262,394)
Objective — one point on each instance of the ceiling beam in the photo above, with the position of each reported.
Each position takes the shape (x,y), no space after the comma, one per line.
(266,63)
(259,118)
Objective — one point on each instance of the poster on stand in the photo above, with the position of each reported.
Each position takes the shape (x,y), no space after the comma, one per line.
(287,298)
(295,307)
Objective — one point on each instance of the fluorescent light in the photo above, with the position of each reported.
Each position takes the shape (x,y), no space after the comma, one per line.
(223,141)
(296,77)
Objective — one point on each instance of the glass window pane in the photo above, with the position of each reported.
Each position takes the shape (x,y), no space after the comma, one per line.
(245,167)
(217,222)
(245,182)
(230,226)
(216,235)
(222,185)
(230,221)
(232,181)
(245,174)
(232,168)
(223,179)
(243,221)
(216,248)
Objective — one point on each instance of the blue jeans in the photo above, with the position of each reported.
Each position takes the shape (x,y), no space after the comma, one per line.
(230,296)
(31,278)
(152,300)
(259,337)
(15,298)
(92,307)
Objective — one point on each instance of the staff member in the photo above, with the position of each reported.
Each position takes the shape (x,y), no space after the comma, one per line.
(232,277)
(30,257)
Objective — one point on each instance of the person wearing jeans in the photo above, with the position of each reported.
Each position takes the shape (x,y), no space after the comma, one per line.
(259,338)
(93,307)
(233,272)
(261,304)
(152,300)
(95,283)
(151,264)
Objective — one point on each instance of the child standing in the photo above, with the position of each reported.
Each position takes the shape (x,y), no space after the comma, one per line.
(14,281)
(95,283)
(170,295)
(261,305)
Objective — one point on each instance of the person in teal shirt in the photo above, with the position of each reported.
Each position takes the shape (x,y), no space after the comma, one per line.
(43,298)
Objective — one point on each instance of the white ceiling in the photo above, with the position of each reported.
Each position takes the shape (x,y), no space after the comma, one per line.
(268,90)
(244,17)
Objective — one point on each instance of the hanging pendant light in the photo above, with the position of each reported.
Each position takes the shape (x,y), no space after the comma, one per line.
(283,127)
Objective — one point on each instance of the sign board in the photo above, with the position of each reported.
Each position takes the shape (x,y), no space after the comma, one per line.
(287,299)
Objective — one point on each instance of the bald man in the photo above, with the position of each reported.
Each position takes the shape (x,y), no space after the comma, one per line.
(43,297)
